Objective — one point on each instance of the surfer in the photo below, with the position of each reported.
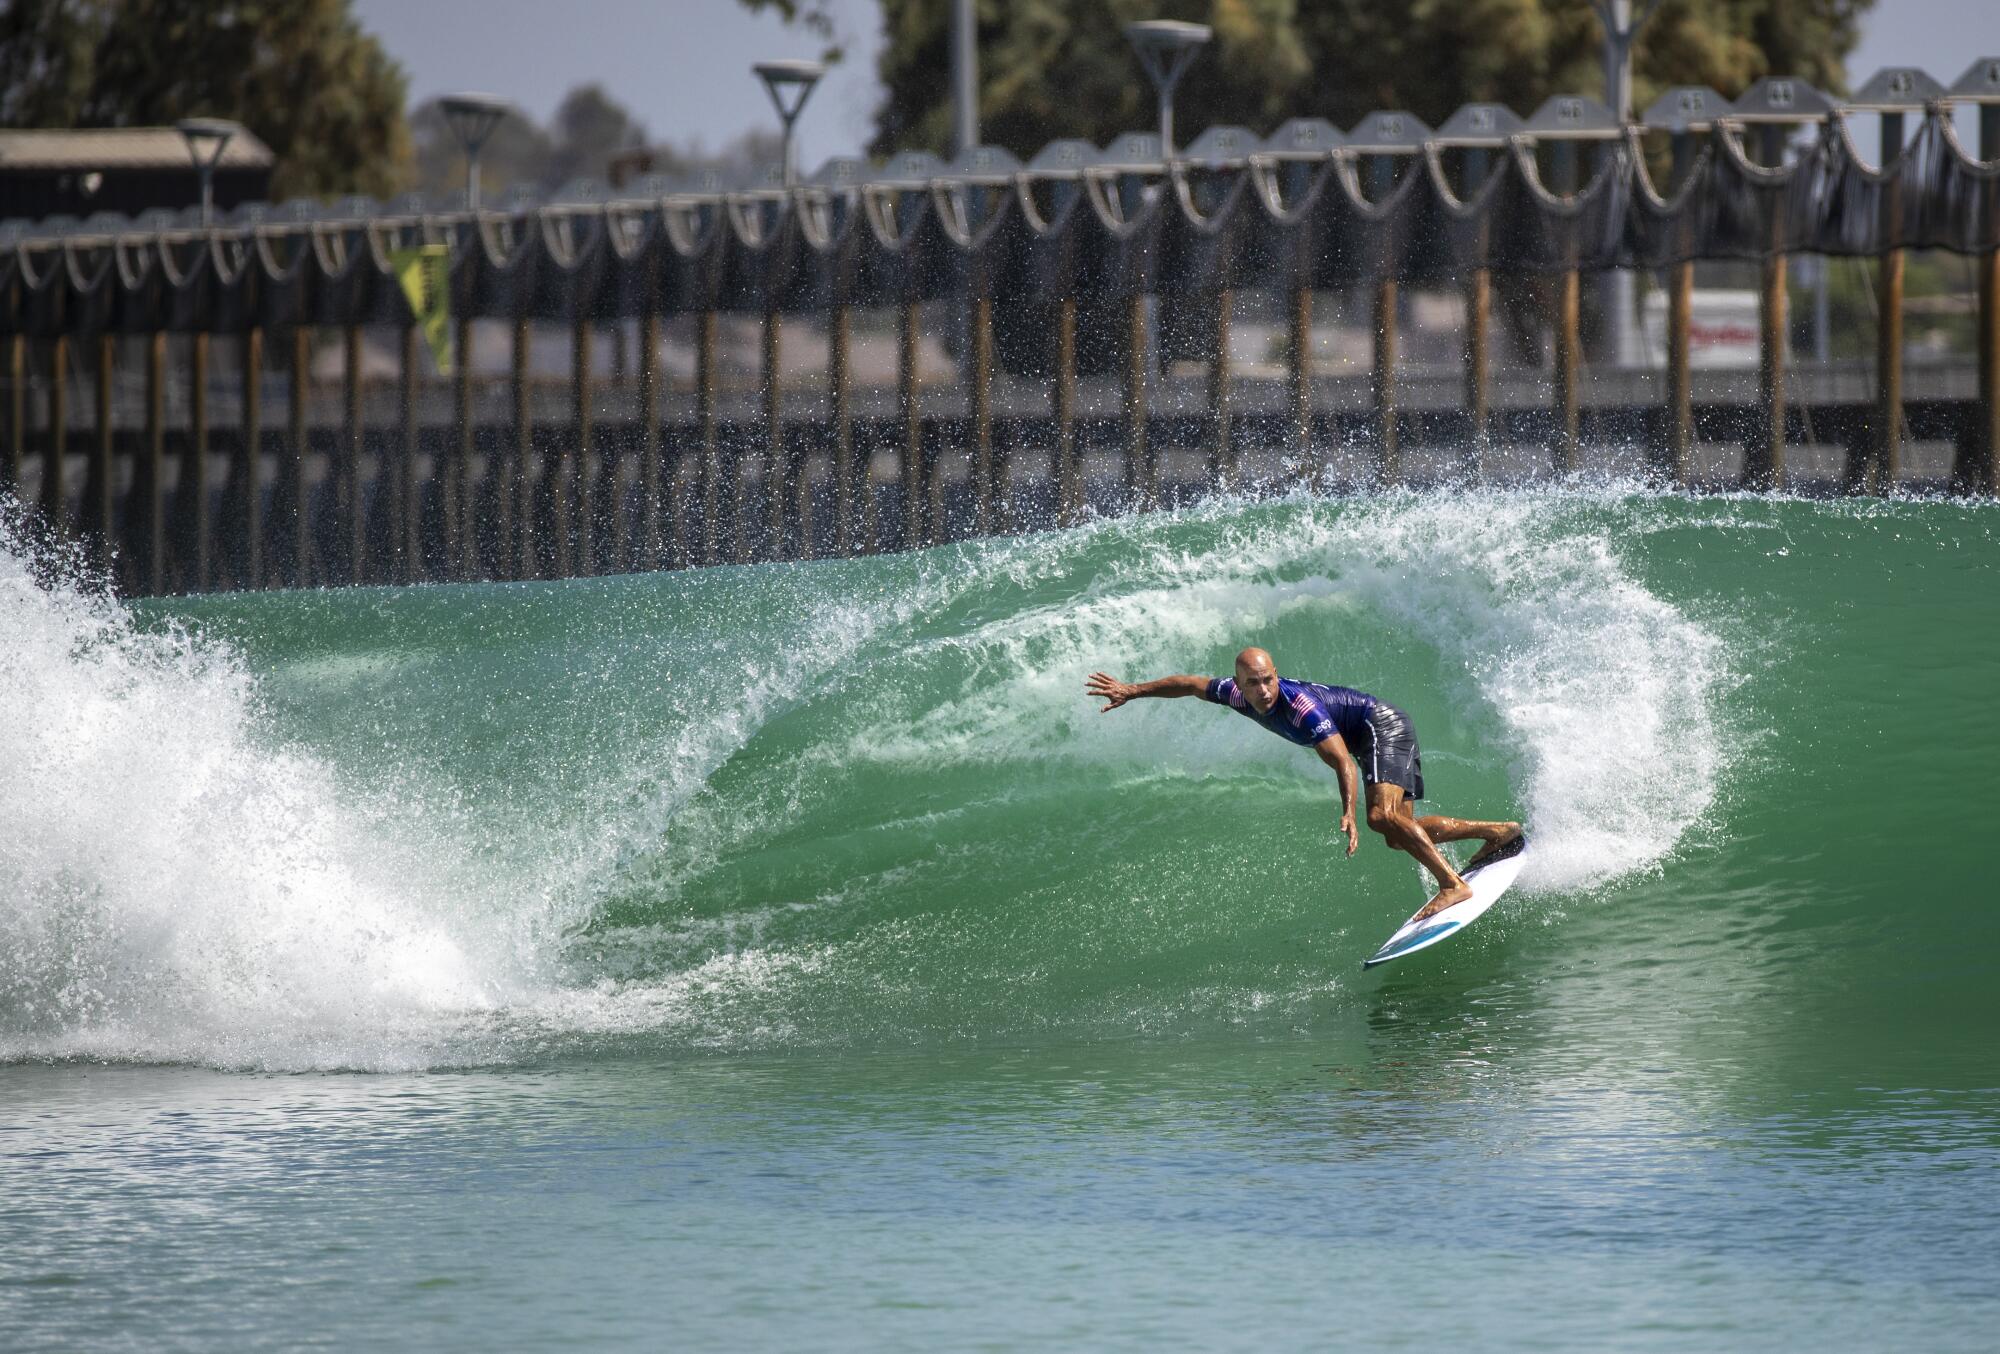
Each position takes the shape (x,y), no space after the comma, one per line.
(1330,719)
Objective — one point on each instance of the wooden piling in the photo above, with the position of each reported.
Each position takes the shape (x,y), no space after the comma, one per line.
(798,472)
(1478,369)
(1382,384)
(54,490)
(461,543)
(1568,337)
(1884,462)
(299,452)
(1886,455)
(522,538)
(194,465)
(1141,473)
(98,508)
(1983,475)
(1478,329)
(1568,361)
(353,509)
(1069,474)
(1678,452)
(615,556)
(979,408)
(649,435)
(1222,456)
(704,406)
(1982,472)
(561,474)
(770,457)
(916,532)
(849,488)
(1764,456)
(582,489)
(1299,372)
(937,522)
(247,511)
(17,409)
(152,519)
(405,500)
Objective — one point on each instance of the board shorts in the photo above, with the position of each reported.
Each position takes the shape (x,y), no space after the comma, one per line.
(1389,754)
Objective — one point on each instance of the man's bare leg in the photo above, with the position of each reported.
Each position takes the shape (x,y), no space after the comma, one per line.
(1389,814)
(1496,835)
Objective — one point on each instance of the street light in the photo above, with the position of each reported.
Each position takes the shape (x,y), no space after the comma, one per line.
(473,118)
(1621,30)
(790,84)
(964,77)
(1166,48)
(206,138)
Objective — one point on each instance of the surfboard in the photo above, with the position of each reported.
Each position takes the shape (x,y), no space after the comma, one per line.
(1489,881)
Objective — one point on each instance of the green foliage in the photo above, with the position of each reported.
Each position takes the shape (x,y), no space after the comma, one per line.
(589,133)
(300,74)
(1052,68)
(815,16)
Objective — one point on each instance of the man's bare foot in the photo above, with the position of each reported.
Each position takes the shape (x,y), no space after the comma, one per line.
(1445,899)
(1494,847)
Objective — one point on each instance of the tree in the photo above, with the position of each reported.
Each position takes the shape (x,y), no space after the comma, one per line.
(301,74)
(590,129)
(815,16)
(1051,68)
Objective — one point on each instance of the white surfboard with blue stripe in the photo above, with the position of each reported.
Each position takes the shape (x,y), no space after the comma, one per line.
(1488,882)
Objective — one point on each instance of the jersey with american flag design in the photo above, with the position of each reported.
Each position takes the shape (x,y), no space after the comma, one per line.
(1306,713)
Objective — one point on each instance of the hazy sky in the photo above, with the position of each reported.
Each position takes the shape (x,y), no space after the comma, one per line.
(683,66)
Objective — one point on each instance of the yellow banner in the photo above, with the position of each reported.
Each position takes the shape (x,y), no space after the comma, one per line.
(425,273)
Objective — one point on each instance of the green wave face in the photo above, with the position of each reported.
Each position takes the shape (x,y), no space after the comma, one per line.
(866,802)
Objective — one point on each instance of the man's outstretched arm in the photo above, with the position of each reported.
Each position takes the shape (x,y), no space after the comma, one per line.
(1333,751)
(1117,692)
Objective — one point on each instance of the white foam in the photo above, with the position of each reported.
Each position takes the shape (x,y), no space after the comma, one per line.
(172,887)
(178,885)
(1608,694)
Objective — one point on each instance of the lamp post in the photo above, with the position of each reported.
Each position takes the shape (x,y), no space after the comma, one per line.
(1166,48)
(473,118)
(964,76)
(1621,30)
(206,138)
(790,84)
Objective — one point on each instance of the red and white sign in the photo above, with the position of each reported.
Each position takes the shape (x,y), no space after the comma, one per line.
(1723,328)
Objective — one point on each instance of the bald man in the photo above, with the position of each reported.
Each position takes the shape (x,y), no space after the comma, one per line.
(1330,720)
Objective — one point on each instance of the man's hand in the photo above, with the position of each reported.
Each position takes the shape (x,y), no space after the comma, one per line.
(1353,837)
(1103,684)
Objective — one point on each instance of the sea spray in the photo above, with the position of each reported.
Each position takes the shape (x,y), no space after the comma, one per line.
(174,886)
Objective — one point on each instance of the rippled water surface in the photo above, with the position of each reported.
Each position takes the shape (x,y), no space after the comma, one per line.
(1428,1179)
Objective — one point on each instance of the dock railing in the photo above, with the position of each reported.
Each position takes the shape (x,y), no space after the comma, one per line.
(681,373)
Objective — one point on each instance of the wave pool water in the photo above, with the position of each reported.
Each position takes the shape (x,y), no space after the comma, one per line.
(793,954)
(834,805)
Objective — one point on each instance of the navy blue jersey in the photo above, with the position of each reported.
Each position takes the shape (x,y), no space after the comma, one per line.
(1305,712)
